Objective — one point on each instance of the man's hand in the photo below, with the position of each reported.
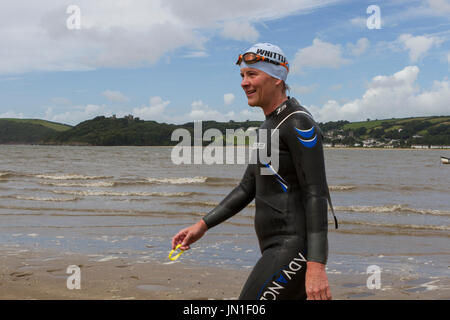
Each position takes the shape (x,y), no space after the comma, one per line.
(317,287)
(189,235)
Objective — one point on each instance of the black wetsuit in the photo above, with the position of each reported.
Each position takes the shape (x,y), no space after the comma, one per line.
(291,206)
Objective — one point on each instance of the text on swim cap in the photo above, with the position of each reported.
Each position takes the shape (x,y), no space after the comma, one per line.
(270,54)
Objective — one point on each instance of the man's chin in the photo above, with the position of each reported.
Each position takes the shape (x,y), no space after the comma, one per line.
(252,103)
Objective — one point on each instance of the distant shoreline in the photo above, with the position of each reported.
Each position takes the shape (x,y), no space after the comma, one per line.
(378,148)
(86,145)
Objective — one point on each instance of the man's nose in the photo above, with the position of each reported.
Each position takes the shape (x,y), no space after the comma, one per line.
(245,82)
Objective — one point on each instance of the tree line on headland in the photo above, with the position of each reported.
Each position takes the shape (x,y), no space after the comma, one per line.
(131,131)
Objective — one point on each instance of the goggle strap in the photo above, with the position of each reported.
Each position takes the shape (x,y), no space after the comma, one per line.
(258,58)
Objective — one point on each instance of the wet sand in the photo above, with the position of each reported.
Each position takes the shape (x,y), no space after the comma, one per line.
(42,275)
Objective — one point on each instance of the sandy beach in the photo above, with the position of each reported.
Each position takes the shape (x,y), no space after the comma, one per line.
(42,275)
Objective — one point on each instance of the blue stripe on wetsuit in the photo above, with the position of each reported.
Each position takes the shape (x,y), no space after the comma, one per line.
(306,134)
(280,180)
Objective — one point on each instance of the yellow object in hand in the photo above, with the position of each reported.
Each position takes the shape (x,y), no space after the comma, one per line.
(178,255)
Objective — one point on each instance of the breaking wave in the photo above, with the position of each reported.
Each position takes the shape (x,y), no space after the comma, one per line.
(69,177)
(394,208)
(200,203)
(341,188)
(178,180)
(397,226)
(125,194)
(45,199)
(76,184)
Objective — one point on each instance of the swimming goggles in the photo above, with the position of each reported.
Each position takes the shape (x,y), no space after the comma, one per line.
(178,255)
(250,58)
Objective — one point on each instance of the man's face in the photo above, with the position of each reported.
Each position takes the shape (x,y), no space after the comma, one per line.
(258,86)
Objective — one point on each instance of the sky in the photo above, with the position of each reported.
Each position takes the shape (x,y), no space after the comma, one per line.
(174,61)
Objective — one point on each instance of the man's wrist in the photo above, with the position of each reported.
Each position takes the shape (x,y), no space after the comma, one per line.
(312,265)
(203,225)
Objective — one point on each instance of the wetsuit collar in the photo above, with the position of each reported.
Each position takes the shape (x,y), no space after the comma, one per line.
(277,110)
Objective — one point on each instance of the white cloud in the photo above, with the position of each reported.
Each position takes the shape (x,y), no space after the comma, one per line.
(196,54)
(77,114)
(240,30)
(319,55)
(396,13)
(228,98)
(205,12)
(115,96)
(48,113)
(441,7)
(448,58)
(359,22)
(201,111)
(400,14)
(125,33)
(395,95)
(12,114)
(249,113)
(154,111)
(417,46)
(359,48)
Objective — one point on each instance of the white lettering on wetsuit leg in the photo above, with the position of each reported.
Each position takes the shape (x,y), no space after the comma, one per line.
(302,258)
(293,268)
(288,273)
(277,286)
(268,292)
(294,264)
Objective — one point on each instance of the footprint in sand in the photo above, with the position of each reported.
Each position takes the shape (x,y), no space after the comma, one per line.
(57,273)
(20,274)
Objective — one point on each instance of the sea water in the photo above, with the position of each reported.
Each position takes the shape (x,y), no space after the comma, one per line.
(393,207)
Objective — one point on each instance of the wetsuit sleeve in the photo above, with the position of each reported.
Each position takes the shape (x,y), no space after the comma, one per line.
(235,201)
(304,140)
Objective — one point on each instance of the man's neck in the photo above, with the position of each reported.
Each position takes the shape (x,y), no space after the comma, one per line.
(275,103)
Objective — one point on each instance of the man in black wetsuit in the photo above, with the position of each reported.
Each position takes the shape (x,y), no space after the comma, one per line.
(291,204)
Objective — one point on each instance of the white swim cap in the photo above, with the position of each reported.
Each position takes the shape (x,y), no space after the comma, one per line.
(272,53)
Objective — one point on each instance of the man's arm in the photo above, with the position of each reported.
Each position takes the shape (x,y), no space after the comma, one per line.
(235,201)
(304,140)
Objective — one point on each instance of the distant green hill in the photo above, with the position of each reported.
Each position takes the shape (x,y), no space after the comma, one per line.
(26,131)
(402,132)
(112,131)
(132,131)
(375,124)
(48,124)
